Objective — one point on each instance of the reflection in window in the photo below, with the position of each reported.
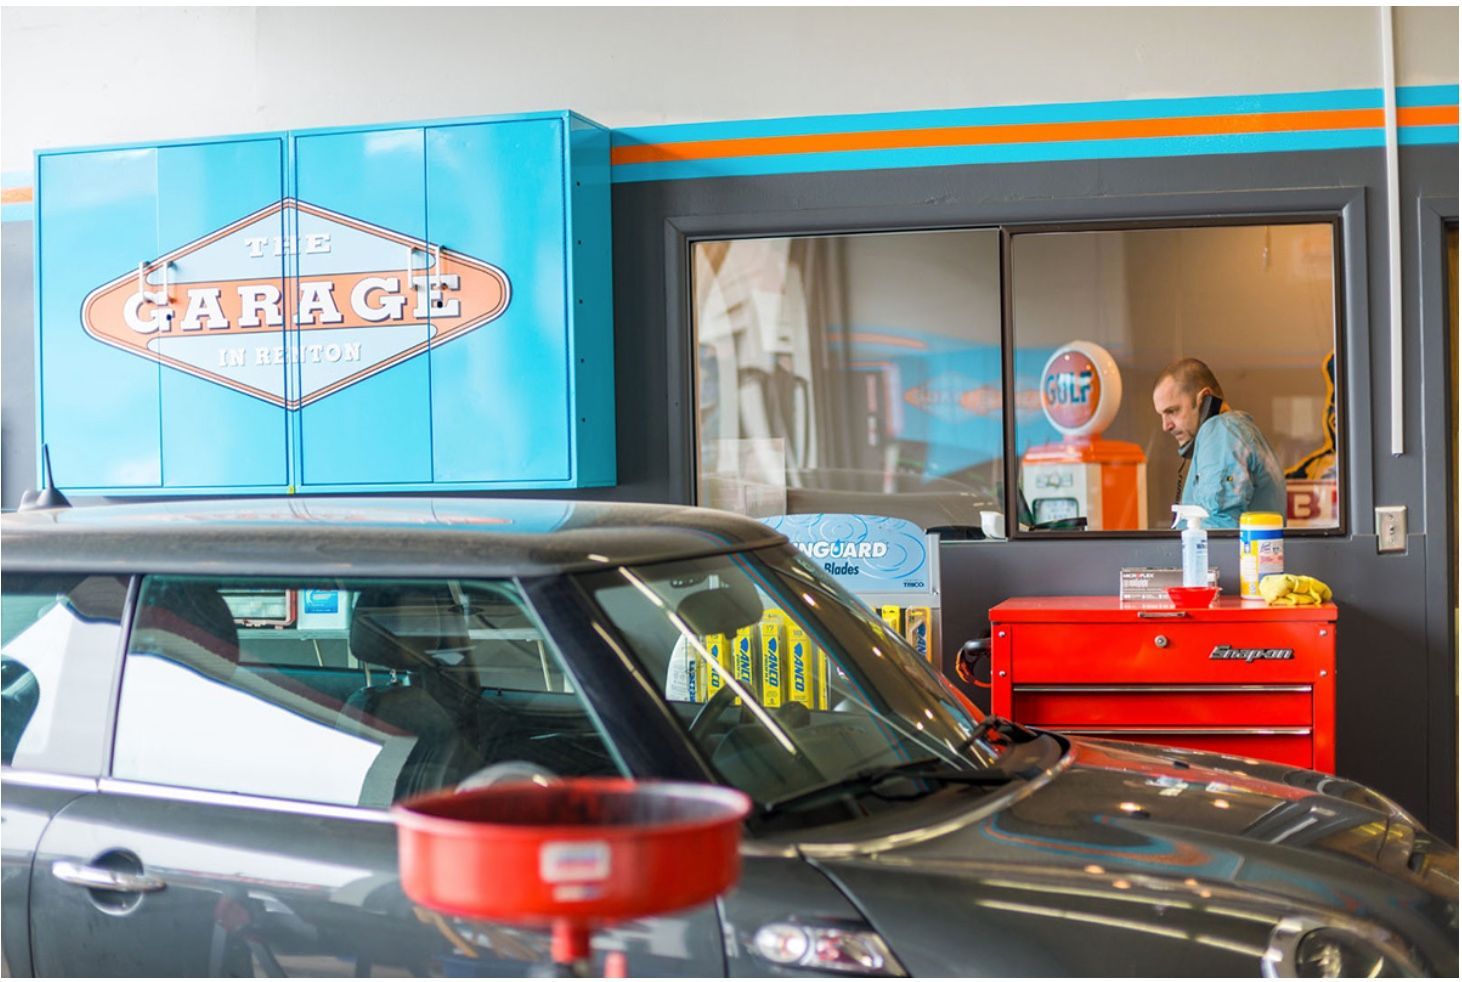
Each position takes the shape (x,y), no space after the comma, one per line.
(1256,303)
(856,373)
(61,635)
(355,694)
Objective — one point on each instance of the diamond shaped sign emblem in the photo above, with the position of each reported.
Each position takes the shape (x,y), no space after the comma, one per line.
(358,299)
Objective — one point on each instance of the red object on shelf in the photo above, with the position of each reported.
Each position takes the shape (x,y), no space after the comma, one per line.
(573,854)
(1192,597)
(1237,677)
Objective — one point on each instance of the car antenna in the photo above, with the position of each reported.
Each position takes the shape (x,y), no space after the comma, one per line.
(49,496)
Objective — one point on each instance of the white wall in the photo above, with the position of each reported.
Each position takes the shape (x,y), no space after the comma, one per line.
(72,76)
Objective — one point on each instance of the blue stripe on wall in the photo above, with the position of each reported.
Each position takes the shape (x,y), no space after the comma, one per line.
(1061,112)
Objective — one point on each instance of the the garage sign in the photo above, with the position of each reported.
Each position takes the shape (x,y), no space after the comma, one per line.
(295,302)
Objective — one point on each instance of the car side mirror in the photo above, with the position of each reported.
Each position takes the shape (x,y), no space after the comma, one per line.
(967,662)
(723,610)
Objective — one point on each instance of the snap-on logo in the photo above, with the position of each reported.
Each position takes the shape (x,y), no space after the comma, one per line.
(1223,652)
(294,302)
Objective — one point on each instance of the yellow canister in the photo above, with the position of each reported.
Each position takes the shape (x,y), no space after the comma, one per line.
(1261,550)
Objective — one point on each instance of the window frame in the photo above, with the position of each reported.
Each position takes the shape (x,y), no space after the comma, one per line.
(1343,207)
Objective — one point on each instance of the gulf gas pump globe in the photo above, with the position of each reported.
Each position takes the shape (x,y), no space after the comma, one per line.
(1082,475)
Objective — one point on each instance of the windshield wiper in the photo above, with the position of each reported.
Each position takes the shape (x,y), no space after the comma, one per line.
(1010,730)
(929,769)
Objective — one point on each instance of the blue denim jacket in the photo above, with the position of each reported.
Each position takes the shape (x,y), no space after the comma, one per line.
(1234,470)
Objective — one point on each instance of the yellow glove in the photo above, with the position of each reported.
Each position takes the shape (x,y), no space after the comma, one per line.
(1292,590)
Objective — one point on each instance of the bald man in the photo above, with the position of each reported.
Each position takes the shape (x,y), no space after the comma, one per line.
(1232,469)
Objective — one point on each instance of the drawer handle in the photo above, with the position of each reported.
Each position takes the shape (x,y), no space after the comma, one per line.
(1187,731)
(1161,641)
(1161,615)
(1139,688)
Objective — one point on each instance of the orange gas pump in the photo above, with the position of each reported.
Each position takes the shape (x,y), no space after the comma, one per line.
(1084,476)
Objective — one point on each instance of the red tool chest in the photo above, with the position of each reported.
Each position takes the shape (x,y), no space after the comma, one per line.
(1236,678)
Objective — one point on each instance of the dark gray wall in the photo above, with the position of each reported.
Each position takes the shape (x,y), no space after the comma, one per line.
(1397,703)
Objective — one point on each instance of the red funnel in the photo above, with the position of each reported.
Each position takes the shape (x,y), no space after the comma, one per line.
(584,852)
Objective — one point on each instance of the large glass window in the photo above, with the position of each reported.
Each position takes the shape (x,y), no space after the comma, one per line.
(350,693)
(856,373)
(1107,312)
(863,373)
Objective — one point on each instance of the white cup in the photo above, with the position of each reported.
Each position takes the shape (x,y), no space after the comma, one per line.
(992,523)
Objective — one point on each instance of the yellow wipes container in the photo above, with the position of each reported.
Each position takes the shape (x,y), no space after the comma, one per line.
(1261,550)
(720,652)
(773,658)
(801,668)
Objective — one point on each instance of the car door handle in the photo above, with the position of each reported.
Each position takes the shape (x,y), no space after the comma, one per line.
(97,878)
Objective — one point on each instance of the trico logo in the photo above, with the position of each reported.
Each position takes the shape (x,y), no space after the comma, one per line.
(1223,652)
(293,303)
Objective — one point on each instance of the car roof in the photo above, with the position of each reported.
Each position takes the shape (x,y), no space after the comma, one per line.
(367,537)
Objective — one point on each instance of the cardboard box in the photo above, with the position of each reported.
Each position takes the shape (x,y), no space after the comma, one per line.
(1148,583)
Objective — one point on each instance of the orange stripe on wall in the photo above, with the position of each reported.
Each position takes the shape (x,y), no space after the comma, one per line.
(15,196)
(1339,119)
(1426,116)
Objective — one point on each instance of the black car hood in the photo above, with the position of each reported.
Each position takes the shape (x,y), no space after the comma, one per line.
(1128,842)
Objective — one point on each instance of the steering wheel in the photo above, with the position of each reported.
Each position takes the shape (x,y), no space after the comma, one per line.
(504,771)
(711,711)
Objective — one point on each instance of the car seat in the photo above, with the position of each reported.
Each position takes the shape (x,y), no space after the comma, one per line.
(189,622)
(417,634)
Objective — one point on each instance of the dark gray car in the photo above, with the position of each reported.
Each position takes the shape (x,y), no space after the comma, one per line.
(208,709)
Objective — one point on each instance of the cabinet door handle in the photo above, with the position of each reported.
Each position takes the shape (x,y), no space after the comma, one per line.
(97,878)
(1161,641)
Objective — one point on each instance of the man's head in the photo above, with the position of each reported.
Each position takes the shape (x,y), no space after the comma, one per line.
(1178,394)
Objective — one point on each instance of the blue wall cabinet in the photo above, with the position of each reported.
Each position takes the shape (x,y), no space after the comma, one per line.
(364,393)
(137,267)
(412,307)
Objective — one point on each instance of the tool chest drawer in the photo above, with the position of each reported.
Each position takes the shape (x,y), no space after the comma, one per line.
(1236,678)
(1293,745)
(1062,706)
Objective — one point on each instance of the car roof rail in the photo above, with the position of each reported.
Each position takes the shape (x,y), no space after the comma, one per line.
(49,496)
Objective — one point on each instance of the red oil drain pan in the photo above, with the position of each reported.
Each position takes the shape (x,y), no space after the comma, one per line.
(573,854)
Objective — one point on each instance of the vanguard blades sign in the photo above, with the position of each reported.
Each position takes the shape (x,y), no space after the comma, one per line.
(357,299)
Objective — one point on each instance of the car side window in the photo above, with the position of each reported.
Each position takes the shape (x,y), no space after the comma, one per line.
(60,644)
(345,692)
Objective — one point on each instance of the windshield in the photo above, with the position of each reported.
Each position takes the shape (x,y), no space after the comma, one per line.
(784,681)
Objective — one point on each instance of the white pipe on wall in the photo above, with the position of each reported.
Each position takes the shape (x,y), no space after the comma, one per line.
(1393,231)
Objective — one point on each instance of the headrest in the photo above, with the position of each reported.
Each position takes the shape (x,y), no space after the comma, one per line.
(408,628)
(190,622)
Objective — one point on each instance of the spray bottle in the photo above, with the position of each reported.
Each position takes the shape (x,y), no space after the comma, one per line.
(1195,544)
